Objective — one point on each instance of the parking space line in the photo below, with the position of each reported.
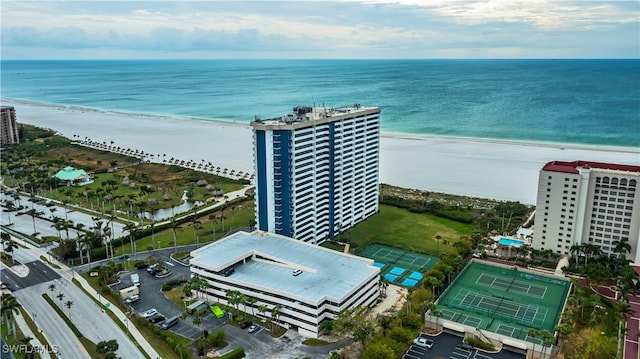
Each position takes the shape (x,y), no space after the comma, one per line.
(417,352)
(481,356)
(406,355)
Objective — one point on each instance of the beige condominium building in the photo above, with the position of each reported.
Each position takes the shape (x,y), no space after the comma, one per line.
(587,202)
(8,126)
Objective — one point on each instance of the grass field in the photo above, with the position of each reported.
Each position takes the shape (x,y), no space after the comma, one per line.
(185,235)
(414,232)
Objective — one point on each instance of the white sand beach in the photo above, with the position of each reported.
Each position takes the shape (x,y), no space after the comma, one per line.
(502,170)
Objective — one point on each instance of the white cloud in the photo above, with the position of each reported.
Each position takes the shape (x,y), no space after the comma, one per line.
(368,28)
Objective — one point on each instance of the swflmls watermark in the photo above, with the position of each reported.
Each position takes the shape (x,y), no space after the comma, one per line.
(30,349)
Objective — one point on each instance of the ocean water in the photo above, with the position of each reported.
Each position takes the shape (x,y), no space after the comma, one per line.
(592,102)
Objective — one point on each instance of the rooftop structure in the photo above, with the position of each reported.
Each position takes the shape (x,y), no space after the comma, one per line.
(70,174)
(588,202)
(317,170)
(262,265)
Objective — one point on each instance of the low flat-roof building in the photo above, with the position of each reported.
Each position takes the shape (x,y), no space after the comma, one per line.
(263,268)
(72,175)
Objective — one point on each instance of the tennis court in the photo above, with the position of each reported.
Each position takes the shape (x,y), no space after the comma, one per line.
(398,266)
(504,300)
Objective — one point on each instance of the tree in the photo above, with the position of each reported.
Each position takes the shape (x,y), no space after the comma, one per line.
(378,350)
(10,306)
(175,227)
(212,217)
(197,320)
(533,335)
(622,247)
(547,340)
(52,287)
(69,304)
(438,238)
(132,228)
(196,225)
(107,346)
(275,315)
(251,301)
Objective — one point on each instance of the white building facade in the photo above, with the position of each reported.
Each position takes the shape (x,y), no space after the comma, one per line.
(317,171)
(587,202)
(309,284)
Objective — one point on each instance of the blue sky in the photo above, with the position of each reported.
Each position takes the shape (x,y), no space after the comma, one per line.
(327,29)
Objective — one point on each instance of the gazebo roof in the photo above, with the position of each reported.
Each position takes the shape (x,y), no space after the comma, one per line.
(71,174)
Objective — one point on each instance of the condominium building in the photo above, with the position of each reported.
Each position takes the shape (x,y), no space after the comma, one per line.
(8,126)
(308,283)
(587,202)
(317,170)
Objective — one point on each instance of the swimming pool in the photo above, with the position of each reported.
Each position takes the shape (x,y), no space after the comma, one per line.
(511,242)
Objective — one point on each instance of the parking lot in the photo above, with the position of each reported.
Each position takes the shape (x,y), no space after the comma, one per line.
(449,346)
(258,344)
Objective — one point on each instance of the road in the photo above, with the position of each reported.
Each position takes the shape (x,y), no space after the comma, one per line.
(31,280)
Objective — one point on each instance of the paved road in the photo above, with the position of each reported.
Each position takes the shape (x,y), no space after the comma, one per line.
(54,328)
(38,273)
(33,279)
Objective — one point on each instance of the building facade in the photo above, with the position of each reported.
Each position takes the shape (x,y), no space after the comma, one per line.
(317,171)
(308,284)
(8,126)
(587,202)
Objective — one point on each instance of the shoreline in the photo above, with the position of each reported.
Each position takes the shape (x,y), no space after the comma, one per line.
(485,168)
(383,134)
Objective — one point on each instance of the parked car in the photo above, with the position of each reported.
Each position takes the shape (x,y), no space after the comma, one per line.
(133,298)
(245,325)
(157,318)
(297,272)
(169,322)
(149,313)
(465,346)
(152,268)
(141,266)
(423,342)
(253,328)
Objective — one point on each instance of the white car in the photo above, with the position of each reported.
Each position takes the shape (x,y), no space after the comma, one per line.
(423,342)
(149,313)
(133,298)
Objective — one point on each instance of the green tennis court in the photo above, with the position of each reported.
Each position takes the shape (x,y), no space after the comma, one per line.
(398,266)
(504,300)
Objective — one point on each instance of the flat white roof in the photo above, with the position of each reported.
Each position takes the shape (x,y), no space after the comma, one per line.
(273,258)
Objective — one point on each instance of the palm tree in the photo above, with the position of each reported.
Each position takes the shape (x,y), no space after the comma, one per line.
(175,227)
(262,308)
(10,208)
(252,301)
(533,334)
(275,314)
(438,238)
(622,247)
(132,228)
(52,287)
(68,304)
(10,306)
(196,225)
(576,249)
(33,213)
(212,217)
(547,340)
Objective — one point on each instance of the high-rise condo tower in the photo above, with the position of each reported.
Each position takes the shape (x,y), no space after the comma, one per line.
(316,170)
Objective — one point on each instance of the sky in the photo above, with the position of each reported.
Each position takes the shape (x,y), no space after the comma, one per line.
(348,29)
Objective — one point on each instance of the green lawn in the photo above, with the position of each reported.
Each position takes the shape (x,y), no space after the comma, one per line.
(185,235)
(400,228)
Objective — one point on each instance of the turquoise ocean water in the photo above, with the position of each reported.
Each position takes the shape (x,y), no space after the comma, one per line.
(592,102)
